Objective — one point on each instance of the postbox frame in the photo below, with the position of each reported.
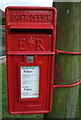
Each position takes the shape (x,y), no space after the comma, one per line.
(32,26)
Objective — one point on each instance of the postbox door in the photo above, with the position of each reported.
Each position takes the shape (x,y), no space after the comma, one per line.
(35,102)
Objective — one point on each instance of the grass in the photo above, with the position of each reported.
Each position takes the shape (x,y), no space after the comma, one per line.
(5,113)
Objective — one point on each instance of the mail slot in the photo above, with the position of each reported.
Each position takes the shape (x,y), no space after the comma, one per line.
(30,49)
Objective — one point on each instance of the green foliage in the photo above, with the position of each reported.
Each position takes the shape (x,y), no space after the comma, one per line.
(3,21)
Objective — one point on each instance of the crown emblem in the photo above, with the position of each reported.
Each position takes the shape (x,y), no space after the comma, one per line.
(31,41)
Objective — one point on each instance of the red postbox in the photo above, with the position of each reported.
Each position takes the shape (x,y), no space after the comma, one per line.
(30,49)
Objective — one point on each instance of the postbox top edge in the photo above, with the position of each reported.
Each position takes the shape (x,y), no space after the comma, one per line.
(30,7)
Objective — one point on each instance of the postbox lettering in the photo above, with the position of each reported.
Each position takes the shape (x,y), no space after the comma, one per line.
(31,17)
(40,45)
(23,43)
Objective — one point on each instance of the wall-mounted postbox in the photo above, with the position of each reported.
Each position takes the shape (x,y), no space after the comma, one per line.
(30,49)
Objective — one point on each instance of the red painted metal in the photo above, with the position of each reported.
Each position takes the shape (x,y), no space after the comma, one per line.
(67,52)
(72,85)
(30,31)
(71,53)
